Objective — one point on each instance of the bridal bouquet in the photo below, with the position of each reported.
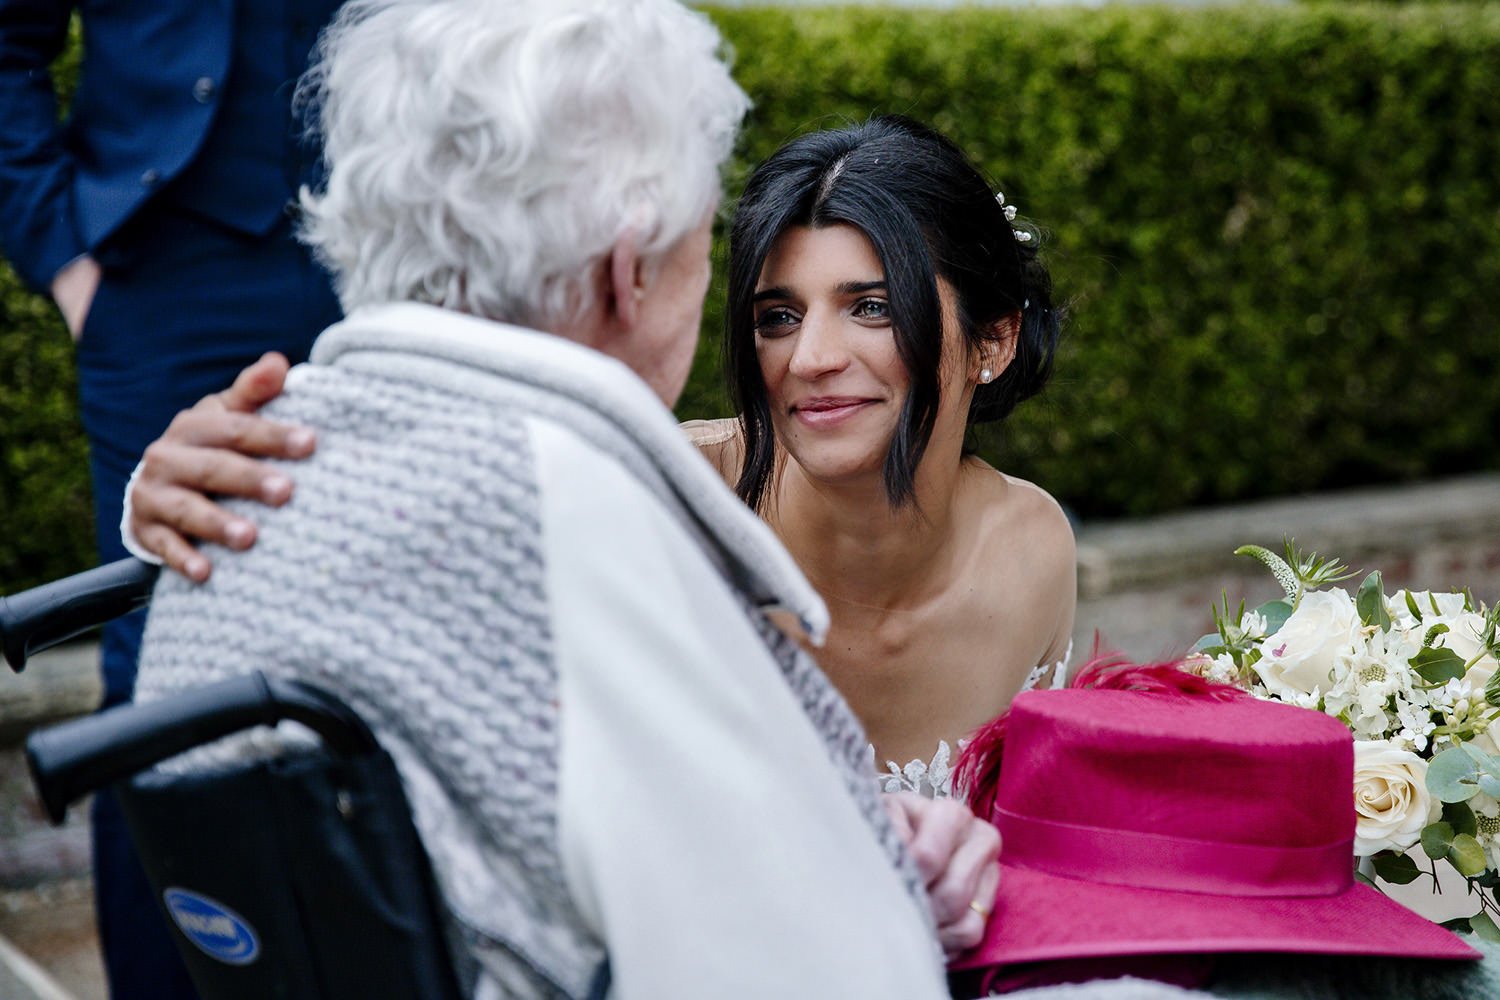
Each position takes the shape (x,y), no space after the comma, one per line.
(1413,676)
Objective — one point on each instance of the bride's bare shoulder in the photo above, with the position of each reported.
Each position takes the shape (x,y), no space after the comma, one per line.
(1028,532)
(1021,507)
(720,441)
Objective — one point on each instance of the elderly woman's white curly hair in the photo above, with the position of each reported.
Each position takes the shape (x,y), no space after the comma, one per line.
(484,155)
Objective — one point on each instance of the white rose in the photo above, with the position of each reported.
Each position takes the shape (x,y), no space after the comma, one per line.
(1462,637)
(1391,801)
(1302,655)
(1449,604)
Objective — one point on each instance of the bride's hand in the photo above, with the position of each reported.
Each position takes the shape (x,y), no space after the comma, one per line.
(212,448)
(956,854)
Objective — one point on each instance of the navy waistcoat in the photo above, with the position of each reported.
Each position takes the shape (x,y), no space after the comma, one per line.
(255,154)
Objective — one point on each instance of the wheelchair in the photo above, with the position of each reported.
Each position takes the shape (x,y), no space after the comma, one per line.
(297,878)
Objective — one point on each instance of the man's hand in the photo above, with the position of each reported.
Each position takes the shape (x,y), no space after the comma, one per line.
(211,448)
(956,855)
(73,290)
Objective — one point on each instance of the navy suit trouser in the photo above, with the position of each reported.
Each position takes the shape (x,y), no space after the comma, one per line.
(183,305)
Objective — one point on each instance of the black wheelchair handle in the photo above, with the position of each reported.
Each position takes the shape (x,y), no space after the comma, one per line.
(44,616)
(70,760)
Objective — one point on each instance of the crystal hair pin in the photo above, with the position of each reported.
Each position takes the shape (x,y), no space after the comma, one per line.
(1022,236)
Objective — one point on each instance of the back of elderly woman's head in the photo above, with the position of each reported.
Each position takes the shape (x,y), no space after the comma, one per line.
(485,155)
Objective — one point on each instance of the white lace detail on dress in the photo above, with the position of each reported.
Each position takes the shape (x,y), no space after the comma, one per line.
(1059,672)
(934,778)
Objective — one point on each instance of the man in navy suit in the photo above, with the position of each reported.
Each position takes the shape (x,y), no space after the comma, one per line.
(157,217)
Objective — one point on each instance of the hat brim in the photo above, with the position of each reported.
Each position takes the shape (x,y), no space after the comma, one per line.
(1040,917)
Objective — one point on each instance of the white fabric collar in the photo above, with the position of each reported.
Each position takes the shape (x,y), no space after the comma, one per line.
(612,390)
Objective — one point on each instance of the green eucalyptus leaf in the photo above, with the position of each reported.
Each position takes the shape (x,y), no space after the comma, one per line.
(1212,644)
(1437,839)
(1487,762)
(1452,776)
(1483,926)
(1370,601)
(1466,855)
(1395,868)
(1490,785)
(1437,666)
(1411,605)
(1276,613)
(1459,816)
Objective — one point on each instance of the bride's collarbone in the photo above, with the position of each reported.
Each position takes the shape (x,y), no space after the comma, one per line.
(967,618)
(956,674)
(887,644)
(893,661)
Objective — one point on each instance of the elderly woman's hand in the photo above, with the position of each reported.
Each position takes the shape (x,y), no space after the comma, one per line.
(956,854)
(212,448)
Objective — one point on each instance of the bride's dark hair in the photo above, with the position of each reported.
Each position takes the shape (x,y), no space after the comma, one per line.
(928,213)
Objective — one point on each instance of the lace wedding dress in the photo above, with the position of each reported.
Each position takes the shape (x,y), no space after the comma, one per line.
(934,778)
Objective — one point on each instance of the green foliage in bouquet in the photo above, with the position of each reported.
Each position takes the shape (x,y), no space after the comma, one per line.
(1416,679)
(1296,573)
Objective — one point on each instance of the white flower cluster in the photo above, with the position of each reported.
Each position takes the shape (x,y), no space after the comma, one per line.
(1325,657)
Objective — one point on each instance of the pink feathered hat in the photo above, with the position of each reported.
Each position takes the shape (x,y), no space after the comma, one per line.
(1138,824)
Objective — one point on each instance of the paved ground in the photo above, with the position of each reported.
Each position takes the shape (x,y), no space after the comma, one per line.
(46,903)
(53,925)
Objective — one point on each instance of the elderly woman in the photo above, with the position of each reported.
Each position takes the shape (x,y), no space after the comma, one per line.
(508,559)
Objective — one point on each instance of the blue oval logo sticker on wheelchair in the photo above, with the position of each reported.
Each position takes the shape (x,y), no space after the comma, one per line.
(217,930)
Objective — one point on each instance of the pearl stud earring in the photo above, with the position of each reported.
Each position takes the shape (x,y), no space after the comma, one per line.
(986,376)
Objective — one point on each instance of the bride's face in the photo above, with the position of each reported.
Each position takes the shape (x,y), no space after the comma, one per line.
(834,378)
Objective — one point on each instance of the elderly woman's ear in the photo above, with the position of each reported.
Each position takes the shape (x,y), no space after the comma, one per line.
(614,308)
(626,283)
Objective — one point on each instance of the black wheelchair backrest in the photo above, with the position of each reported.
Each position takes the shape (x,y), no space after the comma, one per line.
(297,876)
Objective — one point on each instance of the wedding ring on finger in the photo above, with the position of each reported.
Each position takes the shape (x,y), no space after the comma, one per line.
(980,908)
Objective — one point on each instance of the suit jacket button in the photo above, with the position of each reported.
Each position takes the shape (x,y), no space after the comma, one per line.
(203,90)
(150,177)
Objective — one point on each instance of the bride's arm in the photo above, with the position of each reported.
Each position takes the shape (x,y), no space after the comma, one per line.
(212,449)
(721,442)
(1059,655)
(1055,583)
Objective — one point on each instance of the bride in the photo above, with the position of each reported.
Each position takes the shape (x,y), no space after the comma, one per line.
(881,303)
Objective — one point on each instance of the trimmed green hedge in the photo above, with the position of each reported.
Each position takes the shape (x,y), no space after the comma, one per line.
(1278,229)
(45,525)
